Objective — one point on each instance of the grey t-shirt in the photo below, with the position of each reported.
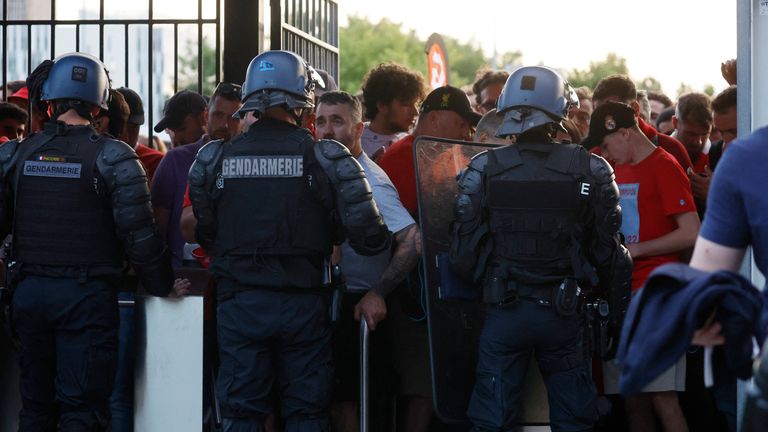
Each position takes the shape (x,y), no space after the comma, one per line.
(373,141)
(360,271)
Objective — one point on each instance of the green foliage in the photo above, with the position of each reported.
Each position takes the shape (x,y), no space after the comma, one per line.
(650,84)
(363,45)
(188,67)
(683,89)
(709,90)
(613,64)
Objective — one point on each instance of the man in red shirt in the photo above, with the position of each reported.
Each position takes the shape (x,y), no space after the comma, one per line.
(445,113)
(659,221)
(620,88)
(693,123)
(149,157)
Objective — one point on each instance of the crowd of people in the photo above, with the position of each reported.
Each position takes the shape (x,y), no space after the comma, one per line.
(270,183)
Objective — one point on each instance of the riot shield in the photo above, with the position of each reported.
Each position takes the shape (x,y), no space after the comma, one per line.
(454,309)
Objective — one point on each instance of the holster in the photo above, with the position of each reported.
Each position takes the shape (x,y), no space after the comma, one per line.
(495,286)
(338,285)
(6,297)
(567,298)
(598,319)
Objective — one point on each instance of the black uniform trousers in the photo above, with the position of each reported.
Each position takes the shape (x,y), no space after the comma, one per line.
(510,335)
(268,336)
(68,352)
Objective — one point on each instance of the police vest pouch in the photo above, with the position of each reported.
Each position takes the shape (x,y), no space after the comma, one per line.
(567,298)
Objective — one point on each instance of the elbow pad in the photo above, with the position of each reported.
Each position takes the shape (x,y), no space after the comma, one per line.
(202,177)
(151,260)
(365,229)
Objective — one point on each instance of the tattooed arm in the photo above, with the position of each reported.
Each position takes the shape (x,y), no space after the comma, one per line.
(404,259)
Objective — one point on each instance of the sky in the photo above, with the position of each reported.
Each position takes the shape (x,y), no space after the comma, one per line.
(675,41)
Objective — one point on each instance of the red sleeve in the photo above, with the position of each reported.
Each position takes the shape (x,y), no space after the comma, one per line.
(397,162)
(676,149)
(187,201)
(675,193)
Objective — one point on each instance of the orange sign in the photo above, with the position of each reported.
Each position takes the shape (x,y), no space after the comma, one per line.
(437,61)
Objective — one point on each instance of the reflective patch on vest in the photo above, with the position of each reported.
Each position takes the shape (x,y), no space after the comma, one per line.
(263,167)
(52,169)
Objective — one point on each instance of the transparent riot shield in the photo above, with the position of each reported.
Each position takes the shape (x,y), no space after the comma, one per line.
(455,312)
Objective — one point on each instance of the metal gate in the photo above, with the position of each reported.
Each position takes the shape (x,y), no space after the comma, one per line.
(154,47)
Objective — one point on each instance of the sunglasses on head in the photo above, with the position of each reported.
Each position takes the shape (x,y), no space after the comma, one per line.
(228,90)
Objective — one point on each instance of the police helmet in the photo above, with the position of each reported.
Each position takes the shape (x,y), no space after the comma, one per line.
(276,78)
(534,96)
(77,76)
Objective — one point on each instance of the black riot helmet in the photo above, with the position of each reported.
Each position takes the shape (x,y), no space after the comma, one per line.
(534,96)
(279,78)
(77,77)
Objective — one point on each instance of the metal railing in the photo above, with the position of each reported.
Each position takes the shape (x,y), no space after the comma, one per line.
(309,28)
(148,25)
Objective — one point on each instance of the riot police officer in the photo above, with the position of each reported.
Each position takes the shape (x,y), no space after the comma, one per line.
(76,203)
(536,223)
(270,205)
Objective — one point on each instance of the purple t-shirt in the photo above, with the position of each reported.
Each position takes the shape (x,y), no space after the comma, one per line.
(168,188)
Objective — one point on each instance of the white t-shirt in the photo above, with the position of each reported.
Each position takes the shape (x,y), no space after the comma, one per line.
(361,272)
(373,141)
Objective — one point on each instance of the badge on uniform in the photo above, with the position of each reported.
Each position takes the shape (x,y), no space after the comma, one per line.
(276,166)
(57,168)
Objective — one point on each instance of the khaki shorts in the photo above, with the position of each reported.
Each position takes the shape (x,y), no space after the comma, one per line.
(673,379)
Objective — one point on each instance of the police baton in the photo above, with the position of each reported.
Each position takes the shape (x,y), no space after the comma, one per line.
(363,374)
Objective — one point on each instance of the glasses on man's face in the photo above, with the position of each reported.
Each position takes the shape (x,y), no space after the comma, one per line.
(228,90)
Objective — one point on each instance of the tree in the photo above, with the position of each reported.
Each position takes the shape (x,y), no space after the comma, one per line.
(684,89)
(363,45)
(613,64)
(650,84)
(188,72)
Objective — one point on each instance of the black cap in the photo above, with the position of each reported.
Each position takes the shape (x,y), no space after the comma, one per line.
(178,107)
(450,99)
(135,104)
(606,119)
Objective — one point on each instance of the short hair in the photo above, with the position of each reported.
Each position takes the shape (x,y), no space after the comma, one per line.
(665,116)
(619,86)
(486,77)
(489,123)
(118,113)
(583,92)
(9,110)
(12,87)
(661,98)
(343,98)
(725,100)
(389,81)
(695,108)
(645,105)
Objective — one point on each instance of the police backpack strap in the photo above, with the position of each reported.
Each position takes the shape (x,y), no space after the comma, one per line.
(501,159)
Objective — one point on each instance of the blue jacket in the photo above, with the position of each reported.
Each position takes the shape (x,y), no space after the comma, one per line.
(674,302)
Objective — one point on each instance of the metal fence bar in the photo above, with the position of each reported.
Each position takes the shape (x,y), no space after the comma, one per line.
(127,56)
(199,47)
(101,30)
(175,58)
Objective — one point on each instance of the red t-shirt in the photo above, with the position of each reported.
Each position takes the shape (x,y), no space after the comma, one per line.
(671,145)
(397,162)
(652,193)
(701,163)
(150,158)
(187,201)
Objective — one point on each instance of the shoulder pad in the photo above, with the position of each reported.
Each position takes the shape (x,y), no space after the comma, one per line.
(600,168)
(331,149)
(209,151)
(479,161)
(115,151)
(7,151)
(568,159)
